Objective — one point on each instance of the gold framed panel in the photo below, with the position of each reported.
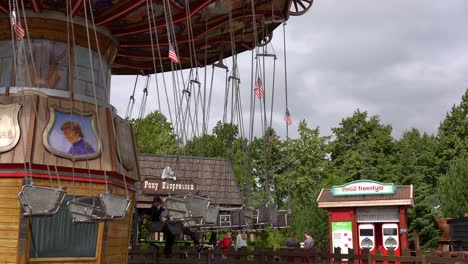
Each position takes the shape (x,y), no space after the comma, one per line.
(72,134)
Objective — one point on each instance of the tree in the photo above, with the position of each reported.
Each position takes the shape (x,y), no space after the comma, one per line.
(154,134)
(453,134)
(453,189)
(219,144)
(304,177)
(415,163)
(361,149)
(266,155)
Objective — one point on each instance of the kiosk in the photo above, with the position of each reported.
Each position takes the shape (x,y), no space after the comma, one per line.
(372,212)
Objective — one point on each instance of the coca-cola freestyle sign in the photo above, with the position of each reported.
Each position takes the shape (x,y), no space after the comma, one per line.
(363,187)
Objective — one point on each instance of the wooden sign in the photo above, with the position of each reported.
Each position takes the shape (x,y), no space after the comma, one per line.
(157,186)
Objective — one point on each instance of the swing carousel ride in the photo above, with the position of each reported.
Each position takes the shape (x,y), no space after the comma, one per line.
(68,162)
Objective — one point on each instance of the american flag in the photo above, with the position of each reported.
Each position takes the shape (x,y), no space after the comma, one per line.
(16,27)
(172,54)
(259,89)
(288,118)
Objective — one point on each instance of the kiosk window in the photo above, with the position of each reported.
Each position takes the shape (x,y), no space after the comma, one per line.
(390,231)
(366,232)
(58,236)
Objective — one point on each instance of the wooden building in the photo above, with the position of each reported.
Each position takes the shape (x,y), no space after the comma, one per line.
(212,178)
(459,233)
(208,177)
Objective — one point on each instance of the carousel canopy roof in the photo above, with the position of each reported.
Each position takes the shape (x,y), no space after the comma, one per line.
(199,30)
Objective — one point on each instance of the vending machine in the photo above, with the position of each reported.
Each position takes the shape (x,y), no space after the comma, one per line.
(367,237)
(390,238)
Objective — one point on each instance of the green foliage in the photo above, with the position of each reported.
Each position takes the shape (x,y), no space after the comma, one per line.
(218,145)
(361,149)
(154,134)
(453,134)
(263,239)
(415,163)
(267,164)
(308,217)
(144,231)
(453,189)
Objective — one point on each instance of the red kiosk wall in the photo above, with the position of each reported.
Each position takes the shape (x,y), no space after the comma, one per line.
(340,215)
(404,228)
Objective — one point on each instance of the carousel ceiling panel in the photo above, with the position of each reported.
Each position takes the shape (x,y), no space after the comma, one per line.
(138,25)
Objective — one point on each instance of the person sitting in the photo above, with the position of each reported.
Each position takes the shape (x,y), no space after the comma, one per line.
(292,241)
(158,218)
(160,223)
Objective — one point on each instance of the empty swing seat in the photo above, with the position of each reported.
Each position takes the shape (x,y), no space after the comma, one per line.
(237,219)
(115,206)
(176,208)
(248,214)
(40,201)
(197,206)
(211,216)
(86,209)
(282,219)
(267,214)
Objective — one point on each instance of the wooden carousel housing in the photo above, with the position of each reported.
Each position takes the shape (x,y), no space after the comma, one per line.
(66,157)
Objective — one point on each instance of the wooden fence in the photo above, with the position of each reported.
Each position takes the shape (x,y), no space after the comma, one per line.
(154,255)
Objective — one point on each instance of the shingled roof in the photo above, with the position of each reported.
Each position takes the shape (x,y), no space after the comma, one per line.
(403,196)
(214,177)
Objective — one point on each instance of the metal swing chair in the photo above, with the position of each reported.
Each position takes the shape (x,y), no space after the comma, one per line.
(39,200)
(188,211)
(106,206)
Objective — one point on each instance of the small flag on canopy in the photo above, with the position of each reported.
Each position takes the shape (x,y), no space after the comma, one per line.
(288,118)
(172,54)
(16,27)
(259,89)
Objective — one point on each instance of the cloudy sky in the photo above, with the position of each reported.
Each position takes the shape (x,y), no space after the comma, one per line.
(405,61)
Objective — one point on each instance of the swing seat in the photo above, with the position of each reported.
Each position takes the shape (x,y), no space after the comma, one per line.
(115,206)
(236,218)
(196,205)
(248,214)
(267,214)
(176,208)
(281,219)
(40,201)
(211,216)
(86,209)
(175,227)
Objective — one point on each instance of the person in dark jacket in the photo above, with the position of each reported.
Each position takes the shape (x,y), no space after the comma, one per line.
(292,241)
(158,219)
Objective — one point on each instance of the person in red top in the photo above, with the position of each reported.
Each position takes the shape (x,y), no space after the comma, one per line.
(225,243)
